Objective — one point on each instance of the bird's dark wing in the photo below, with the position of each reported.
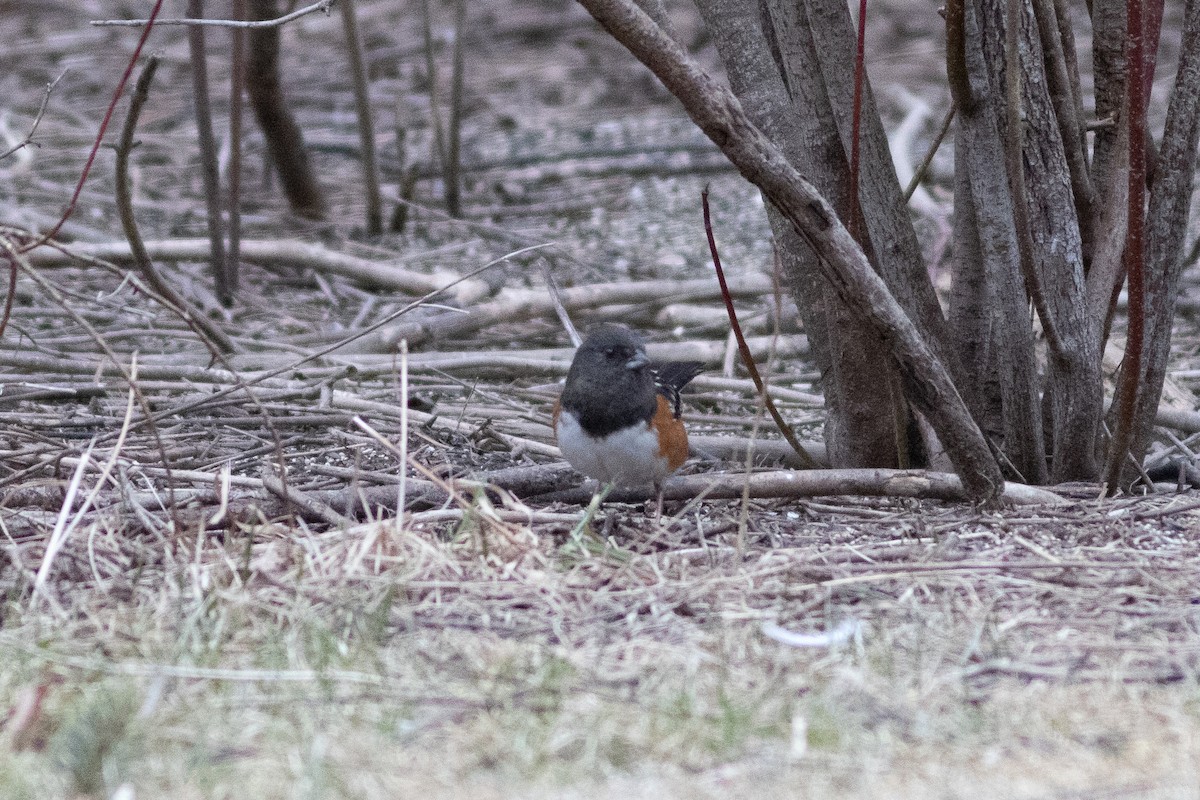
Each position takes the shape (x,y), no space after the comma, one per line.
(671,376)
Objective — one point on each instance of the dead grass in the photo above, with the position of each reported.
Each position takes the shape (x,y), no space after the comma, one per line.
(257,664)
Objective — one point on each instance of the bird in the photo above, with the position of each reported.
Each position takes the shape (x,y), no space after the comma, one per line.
(618,419)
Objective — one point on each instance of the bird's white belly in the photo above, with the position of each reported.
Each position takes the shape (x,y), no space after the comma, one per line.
(626,458)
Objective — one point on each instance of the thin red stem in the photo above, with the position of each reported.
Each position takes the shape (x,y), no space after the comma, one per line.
(743,348)
(1136,89)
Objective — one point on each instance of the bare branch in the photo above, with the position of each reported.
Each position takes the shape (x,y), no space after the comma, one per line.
(439,133)
(1068,111)
(237,82)
(1170,199)
(323,6)
(37,119)
(208,157)
(284,252)
(923,167)
(285,140)
(453,165)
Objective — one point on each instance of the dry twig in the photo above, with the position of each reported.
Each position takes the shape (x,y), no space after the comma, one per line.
(322,6)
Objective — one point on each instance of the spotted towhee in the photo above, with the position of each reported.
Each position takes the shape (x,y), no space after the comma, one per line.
(618,417)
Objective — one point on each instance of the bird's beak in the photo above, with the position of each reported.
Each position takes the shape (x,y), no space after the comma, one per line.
(639,360)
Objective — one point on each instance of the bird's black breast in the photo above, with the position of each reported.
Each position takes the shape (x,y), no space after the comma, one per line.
(605,408)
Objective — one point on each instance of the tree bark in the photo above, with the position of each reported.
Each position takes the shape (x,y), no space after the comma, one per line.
(895,250)
(984,193)
(1054,276)
(1058,56)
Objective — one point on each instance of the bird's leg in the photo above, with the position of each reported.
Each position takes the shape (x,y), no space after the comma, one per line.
(606,530)
(658,493)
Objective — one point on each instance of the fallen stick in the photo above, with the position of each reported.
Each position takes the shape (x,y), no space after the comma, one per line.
(539,484)
(356,500)
(304,504)
(350,402)
(556,360)
(1186,421)
(515,305)
(776,451)
(279,253)
(812,483)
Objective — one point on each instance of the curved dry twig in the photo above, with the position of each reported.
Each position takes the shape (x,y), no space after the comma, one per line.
(203,326)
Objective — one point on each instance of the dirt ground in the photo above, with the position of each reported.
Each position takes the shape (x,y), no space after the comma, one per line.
(171,626)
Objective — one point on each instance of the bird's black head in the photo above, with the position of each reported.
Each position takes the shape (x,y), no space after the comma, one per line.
(612,347)
(610,384)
